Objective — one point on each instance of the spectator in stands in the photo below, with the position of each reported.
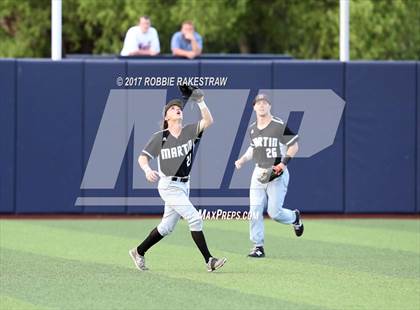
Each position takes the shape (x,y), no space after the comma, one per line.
(141,40)
(187,42)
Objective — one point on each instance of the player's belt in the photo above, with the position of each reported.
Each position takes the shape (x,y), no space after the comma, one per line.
(264,166)
(180,179)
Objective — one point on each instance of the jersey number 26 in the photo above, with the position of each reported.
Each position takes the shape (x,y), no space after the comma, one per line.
(271,152)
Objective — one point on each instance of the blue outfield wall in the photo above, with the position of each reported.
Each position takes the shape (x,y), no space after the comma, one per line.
(418,138)
(51,112)
(49,136)
(8,135)
(380,137)
(315,183)
(99,78)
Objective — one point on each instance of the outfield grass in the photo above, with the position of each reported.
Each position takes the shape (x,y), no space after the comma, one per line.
(337,264)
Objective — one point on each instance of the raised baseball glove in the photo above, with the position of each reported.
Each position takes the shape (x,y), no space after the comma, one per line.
(269,175)
(190,92)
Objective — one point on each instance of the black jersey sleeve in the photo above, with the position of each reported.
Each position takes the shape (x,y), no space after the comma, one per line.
(153,147)
(288,137)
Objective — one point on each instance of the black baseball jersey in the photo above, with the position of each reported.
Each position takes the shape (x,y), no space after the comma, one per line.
(270,144)
(175,155)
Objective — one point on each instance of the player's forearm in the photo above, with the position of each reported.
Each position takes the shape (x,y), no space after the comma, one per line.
(144,163)
(247,155)
(292,150)
(206,117)
(290,153)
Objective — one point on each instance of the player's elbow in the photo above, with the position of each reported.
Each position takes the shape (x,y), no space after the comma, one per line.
(143,159)
(206,124)
(294,148)
(210,120)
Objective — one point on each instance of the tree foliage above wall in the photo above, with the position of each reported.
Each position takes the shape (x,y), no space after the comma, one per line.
(309,29)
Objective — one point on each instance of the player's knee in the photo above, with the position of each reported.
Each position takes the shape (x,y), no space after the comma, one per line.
(195,223)
(165,229)
(272,214)
(279,215)
(276,215)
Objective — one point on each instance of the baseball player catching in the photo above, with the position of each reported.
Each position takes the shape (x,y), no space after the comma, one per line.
(174,149)
(272,146)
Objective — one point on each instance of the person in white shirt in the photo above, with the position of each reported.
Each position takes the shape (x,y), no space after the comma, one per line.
(141,40)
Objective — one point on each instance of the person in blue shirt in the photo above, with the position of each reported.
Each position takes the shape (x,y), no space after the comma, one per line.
(187,42)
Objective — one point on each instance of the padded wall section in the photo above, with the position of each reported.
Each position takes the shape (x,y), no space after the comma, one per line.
(100,77)
(49,136)
(380,137)
(228,138)
(418,138)
(316,183)
(50,113)
(7,130)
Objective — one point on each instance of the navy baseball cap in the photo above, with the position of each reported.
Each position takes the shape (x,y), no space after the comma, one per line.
(261,97)
(172,102)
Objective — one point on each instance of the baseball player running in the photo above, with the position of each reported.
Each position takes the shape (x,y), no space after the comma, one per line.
(174,148)
(272,146)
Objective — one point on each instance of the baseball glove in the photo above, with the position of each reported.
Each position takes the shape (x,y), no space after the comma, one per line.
(269,175)
(190,92)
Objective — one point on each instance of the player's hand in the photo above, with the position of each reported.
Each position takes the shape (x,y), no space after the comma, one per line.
(197,95)
(238,164)
(279,168)
(152,176)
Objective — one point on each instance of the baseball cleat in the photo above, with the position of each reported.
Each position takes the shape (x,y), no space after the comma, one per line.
(257,252)
(215,263)
(298,224)
(138,260)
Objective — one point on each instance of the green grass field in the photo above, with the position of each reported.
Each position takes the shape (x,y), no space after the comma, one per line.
(84,264)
